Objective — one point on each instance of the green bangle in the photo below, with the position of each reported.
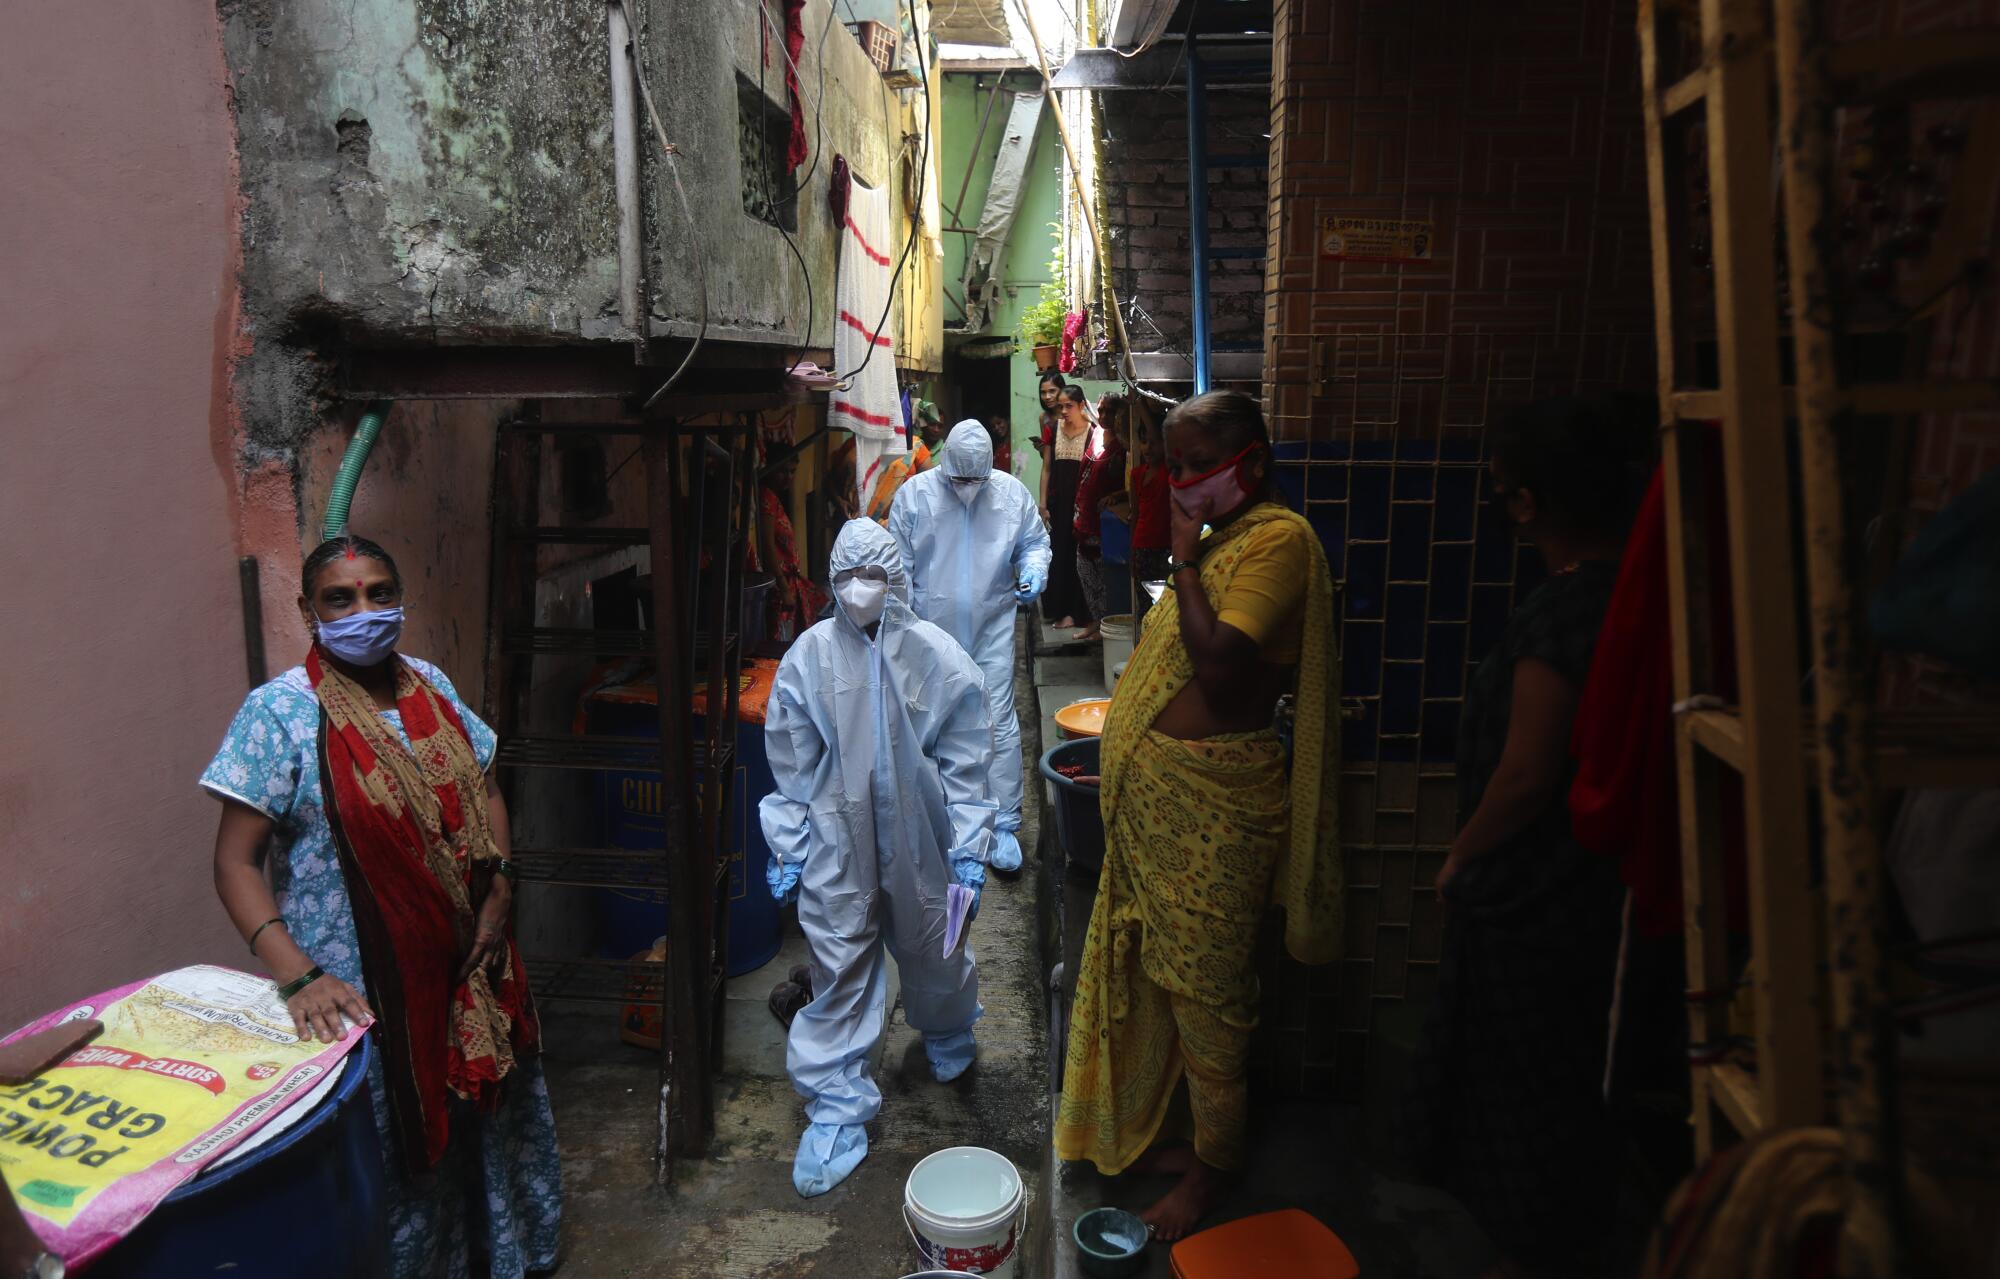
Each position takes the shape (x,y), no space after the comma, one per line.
(505,867)
(299,983)
(276,919)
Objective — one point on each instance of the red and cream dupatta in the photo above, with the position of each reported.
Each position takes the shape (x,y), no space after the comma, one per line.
(410,823)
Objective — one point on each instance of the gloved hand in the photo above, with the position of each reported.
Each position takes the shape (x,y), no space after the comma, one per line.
(783,877)
(971,873)
(1032,584)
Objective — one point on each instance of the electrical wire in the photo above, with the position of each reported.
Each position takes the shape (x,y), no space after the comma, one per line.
(687,209)
(819,146)
(916,219)
(819,98)
(1131,380)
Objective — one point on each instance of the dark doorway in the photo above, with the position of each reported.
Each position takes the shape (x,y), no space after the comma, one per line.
(975,387)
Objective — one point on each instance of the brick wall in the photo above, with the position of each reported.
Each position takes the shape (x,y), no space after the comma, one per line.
(1145,212)
(1514,131)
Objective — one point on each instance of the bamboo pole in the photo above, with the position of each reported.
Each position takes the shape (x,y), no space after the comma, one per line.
(1864,1031)
(1083,200)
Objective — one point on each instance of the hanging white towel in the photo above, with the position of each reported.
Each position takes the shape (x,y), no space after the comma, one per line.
(869,406)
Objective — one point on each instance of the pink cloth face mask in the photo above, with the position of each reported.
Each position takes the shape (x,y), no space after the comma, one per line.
(1222,488)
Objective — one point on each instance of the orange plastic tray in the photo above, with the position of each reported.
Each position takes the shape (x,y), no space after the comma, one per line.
(1083,719)
(1292,1243)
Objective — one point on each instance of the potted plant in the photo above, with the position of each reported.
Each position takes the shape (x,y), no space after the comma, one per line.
(1041,325)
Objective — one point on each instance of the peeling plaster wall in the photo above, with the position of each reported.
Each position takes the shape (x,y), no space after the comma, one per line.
(120,626)
(441,170)
(427,168)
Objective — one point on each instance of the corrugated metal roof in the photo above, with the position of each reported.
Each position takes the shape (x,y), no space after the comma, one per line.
(970,22)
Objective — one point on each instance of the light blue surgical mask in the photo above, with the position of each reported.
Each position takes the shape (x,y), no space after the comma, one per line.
(363,639)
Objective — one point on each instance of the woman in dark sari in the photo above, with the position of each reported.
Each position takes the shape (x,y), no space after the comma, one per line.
(1068,445)
(1504,1107)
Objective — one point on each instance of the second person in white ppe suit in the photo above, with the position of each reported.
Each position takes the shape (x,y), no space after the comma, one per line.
(977,550)
(881,756)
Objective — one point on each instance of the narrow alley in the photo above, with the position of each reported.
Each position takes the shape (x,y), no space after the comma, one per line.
(1054,639)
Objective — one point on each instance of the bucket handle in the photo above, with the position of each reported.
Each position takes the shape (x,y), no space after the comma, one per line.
(917,1239)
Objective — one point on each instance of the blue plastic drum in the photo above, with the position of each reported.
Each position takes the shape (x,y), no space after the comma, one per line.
(308,1205)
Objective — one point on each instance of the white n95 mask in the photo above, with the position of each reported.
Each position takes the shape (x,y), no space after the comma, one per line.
(863,598)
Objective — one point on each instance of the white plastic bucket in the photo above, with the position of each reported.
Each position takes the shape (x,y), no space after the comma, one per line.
(963,1208)
(1117,630)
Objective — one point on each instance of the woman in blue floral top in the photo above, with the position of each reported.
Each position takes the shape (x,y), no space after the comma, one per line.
(366,775)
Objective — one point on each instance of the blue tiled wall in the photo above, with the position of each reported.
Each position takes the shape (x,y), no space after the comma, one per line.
(1429,572)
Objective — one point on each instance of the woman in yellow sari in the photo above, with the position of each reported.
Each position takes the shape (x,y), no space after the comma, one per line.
(1207,823)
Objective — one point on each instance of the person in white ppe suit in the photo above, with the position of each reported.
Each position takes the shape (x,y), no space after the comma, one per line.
(977,550)
(881,754)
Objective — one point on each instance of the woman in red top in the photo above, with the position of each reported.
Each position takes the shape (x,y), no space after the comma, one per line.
(798,600)
(1102,480)
(1002,432)
(1149,496)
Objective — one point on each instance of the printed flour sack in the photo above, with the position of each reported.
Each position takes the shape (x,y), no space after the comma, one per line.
(190,1065)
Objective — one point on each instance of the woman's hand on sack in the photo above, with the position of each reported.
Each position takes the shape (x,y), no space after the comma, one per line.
(489,932)
(318,1008)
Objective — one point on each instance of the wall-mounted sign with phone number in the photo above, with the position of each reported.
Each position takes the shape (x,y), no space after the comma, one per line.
(1359,239)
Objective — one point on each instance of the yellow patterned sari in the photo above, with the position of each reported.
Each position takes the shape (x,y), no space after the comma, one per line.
(1200,839)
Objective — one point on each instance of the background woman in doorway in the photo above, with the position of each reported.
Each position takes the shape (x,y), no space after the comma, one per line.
(1071,439)
(1102,482)
(391,863)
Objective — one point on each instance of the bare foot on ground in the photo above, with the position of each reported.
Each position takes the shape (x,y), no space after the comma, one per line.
(1088,633)
(1169,1158)
(1187,1203)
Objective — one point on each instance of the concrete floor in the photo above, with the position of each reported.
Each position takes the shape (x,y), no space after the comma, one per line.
(736,1216)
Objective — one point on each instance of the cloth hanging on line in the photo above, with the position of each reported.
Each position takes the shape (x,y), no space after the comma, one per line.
(1625,801)
(871,405)
(1073,326)
(795,43)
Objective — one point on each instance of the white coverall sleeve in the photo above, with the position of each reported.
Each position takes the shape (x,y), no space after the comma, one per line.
(964,753)
(797,754)
(902,527)
(1031,552)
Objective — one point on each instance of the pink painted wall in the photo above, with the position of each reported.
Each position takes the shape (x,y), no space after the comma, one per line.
(120,631)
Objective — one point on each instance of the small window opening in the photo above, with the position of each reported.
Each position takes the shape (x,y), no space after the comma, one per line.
(763,129)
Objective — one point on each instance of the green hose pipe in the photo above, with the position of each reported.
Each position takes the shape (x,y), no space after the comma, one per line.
(349,475)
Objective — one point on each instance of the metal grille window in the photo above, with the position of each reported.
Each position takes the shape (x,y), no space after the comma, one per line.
(763,129)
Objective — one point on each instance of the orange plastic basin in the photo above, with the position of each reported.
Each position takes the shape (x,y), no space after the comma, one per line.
(1084,718)
(1292,1243)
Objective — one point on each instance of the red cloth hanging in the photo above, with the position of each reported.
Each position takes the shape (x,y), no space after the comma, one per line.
(1625,801)
(1072,327)
(795,42)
